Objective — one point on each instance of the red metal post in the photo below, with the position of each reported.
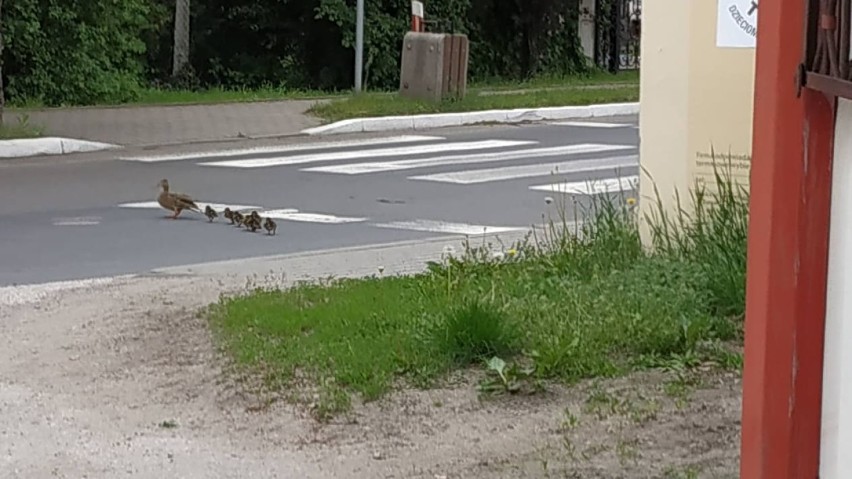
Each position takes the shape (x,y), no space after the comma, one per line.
(787,256)
(416,16)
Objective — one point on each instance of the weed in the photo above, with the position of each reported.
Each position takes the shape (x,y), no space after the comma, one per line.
(604,404)
(681,386)
(570,422)
(686,472)
(332,401)
(627,450)
(508,380)
(22,129)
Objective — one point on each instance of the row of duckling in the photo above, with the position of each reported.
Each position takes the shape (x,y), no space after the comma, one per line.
(252,221)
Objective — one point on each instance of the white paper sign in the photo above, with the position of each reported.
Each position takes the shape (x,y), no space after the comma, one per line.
(736,24)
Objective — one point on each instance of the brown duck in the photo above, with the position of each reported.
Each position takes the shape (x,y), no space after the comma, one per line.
(175,202)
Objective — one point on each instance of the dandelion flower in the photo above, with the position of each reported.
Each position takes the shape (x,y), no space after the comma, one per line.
(512,252)
(631,201)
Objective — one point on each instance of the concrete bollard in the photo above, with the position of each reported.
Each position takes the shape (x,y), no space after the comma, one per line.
(434,66)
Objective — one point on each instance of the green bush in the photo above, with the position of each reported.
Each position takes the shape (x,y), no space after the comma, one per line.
(75,52)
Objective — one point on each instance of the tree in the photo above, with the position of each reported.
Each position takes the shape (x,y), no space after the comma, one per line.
(181,40)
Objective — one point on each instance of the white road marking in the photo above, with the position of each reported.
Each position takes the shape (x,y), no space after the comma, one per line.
(356,154)
(295,215)
(389,140)
(374,167)
(592,124)
(77,221)
(446,227)
(468,177)
(591,187)
(287,214)
(215,206)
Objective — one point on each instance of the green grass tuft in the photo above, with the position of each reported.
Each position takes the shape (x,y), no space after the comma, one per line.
(577,301)
(19,129)
(474,332)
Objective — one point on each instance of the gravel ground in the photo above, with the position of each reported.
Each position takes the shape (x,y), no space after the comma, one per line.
(119,378)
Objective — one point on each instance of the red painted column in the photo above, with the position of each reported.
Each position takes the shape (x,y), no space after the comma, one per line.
(416,16)
(787,256)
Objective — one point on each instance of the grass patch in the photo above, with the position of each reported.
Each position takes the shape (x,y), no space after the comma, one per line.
(21,128)
(498,87)
(571,304)
(557,81)
(218,95)
(372,104)
(208,96)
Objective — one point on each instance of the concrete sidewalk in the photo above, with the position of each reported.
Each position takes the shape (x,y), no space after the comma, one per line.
(166,125)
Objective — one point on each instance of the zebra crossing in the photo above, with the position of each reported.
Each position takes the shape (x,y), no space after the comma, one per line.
(450,161)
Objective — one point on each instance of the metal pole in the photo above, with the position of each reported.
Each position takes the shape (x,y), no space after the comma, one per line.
(359,45)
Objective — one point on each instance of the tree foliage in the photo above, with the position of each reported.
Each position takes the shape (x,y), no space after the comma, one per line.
(88,51)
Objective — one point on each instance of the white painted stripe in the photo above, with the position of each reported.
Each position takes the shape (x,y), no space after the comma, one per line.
(294,215)
(215,206)
(446,227)
(355,154)
(373,167)
(526,171)
(591,187)
(591,124)
(388,140)
(77,221)
(287,214)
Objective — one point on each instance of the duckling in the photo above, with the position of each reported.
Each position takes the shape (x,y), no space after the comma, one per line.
(270,226)
(255,225)
(229,215)
(246,222)
(175,202)
(211,213)
(237,218)
(253,221)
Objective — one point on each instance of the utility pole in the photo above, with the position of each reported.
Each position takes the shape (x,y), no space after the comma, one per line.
(180,55)
(359,45)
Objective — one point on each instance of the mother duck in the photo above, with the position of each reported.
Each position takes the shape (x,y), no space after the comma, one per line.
(175,202)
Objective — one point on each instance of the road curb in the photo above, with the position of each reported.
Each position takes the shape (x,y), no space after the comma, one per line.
(442,120)
(22,148)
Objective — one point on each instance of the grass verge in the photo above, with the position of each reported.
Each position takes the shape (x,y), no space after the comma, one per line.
(373,105)
(177,96)
(156,96)
(19,129)
(573,304)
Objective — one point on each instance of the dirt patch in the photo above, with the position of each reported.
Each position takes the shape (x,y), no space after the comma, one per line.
(122,380)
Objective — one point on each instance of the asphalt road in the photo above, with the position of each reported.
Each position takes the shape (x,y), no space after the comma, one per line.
(95,215)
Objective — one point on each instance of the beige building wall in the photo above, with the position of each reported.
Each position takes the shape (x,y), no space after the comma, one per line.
(695,97)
